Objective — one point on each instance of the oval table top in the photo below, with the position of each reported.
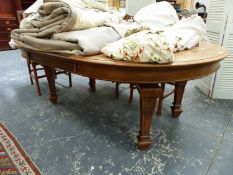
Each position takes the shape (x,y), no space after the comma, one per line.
(205,52)
(188,64)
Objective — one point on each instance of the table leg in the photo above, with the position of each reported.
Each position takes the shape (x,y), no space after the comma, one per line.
(29,71)
(92,84)
(117,90)
(148,96)
(49,72)
(178,96)
(36,78)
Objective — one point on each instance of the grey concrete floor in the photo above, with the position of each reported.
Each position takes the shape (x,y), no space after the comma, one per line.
(94,133)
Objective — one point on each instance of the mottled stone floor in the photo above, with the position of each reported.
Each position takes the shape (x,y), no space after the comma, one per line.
(93,133)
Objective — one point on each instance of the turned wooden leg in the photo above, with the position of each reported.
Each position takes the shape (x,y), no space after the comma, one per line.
(131,92)
(29,71)
(49,72)
(159,109)
(117,90)
(70,79)
(178,96)
(148,95)
(92,84)
(36,78)
(54,74)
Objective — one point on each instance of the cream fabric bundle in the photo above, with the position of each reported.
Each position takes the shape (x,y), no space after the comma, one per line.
(186,33)
(90,41)
(157,16)
(156,45)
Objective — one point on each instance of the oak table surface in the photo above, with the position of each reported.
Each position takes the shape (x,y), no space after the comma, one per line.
(189,64)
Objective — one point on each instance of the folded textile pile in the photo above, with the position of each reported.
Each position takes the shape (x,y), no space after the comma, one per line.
(86,27)
(57,16)
(167,35)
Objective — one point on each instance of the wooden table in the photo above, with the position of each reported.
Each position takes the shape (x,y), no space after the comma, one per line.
(190,64)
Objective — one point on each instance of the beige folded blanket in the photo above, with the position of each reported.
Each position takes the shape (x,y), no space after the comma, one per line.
(57,16)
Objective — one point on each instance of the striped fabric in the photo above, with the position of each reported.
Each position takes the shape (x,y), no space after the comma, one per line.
(6,165)
(13,159)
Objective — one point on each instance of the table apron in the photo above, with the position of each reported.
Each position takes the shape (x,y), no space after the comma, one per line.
(127,74)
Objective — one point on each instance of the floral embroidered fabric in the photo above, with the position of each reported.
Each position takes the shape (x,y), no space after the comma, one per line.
(145,46)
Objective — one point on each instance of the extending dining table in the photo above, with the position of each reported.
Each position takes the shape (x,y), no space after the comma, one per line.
(188,65)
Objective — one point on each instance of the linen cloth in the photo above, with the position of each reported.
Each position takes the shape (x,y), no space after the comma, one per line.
(144,46)
(186,33)
(90,41)
(72,26)
(57,16)
(158,44)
